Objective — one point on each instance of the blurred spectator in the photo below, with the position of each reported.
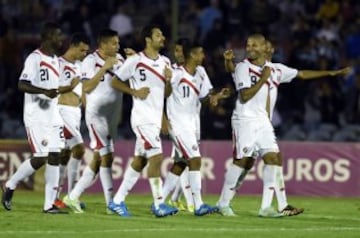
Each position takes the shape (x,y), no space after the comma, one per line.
(207,16)
(121,22)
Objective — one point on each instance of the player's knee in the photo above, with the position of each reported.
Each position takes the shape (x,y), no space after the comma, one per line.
(195,164)
(54,158)
(78,151)
(178,168)
(64,156)
(139,163)
(247,162)
(155,161)
(271,158)
(95,163)
(37,162)
(279,159)
(106,160)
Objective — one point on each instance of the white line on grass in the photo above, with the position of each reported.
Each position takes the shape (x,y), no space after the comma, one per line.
(331,217)
(186,230)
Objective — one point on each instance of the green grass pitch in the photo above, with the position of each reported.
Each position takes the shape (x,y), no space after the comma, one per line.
(323,217)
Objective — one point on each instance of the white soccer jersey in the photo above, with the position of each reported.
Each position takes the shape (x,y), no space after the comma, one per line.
(141,71)
(182,104)
(205,84)
(69,71)
(103,94)
(245,76)
(281,74)
(41,71)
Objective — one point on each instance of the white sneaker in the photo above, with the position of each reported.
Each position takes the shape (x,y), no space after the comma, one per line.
(73,204)
(227,211)
(269,212)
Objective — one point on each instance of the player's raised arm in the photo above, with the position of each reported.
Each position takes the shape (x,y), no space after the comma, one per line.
(228,61)
(312,74)
(223,94)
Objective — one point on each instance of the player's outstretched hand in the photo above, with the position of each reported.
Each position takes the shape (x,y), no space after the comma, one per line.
(142,93)
(343,71)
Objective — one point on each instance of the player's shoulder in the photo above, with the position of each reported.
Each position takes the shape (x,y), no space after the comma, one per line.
(282,66)
(135,57)
(245,63)
(90,57)
(200,69)
(34,55)
(166,59)
(120,57)
(179,72)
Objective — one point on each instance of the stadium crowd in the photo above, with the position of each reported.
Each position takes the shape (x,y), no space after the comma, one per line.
(307,34)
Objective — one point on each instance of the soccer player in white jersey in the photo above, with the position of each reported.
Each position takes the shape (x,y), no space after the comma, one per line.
(180,163)
(102,112)
(40,80)
(70,89)
(152,70)
(183,186)
(182,111)
(273,172)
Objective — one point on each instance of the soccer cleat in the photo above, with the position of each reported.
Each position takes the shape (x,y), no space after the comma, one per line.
(191,208)
(205,209)
(6,197)
(73,204)
(269,212)
(59,204)
(55,210)
(178,204)
(291,211)
(226,211)
(120,209)
(163,210)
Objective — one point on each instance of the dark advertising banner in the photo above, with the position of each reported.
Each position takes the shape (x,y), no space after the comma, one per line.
(311,169)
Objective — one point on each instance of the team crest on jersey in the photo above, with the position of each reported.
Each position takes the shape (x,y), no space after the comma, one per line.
(155,65)
(44,142)
(246,149)
(194,147)
(24,76)
(240,84)
(53,62)
(157,138)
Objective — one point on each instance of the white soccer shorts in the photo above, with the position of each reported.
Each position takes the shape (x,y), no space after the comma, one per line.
(251,137)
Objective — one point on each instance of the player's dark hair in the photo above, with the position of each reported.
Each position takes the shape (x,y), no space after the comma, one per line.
(189,47)
(147,31)
(48,29)
(79,37)
(105,35)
